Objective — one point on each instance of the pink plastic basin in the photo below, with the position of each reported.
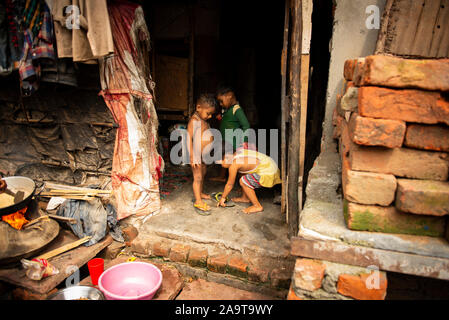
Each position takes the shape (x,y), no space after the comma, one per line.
(130,281)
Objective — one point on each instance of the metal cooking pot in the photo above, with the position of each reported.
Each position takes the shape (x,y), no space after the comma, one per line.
(16,184)
(78,293)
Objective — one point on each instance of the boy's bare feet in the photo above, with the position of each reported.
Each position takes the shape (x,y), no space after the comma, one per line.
(253,209)
(205,196)
(218,179)
(241,200)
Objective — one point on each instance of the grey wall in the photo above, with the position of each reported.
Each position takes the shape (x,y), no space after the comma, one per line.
(351,39)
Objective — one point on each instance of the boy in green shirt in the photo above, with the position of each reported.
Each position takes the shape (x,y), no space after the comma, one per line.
(233,117)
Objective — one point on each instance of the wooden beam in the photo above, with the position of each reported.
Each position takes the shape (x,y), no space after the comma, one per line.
(307,8)
(294,132)
(284,108)
(394,261)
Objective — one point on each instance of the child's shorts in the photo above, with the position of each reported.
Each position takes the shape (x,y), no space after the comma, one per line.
(251,180)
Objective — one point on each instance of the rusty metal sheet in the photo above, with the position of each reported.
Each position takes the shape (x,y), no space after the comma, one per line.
(385,260)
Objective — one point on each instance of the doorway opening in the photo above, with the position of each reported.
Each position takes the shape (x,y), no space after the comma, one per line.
(199,45)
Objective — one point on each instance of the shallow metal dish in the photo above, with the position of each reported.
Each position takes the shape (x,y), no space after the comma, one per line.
(78,293)
(16,184)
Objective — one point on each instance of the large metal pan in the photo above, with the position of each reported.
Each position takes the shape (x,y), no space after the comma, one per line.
(16,184)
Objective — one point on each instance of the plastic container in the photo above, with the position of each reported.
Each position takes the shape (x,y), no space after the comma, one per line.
(130,281)
(96,268)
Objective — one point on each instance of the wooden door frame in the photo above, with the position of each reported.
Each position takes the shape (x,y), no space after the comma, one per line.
(294,62)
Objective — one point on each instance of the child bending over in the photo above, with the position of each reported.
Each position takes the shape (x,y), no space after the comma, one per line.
(258,170)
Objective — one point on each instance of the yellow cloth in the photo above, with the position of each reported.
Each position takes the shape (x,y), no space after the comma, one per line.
(267,168)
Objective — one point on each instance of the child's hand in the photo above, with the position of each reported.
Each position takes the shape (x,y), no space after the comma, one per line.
(222,202)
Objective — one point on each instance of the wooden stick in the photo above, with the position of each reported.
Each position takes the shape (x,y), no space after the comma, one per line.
(67,196)
(50,185)
(33,222)
(56,217)
(79,191)
(64,248)
(64,219)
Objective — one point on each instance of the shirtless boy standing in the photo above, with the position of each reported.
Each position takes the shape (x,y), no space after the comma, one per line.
(200,141)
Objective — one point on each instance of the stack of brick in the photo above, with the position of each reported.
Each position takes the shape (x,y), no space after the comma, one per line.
(392,122)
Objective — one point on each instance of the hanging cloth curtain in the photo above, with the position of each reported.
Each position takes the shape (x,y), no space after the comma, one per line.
(127,90)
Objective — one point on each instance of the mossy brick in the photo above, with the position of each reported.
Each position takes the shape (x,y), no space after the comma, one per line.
(362,287)
(349,66)
(161,249)
(427,137)
(425,197)
(366,187)
(349,101)
(217,263)
(396,72)
(308,274)
(409,105)
(348,84)
(141,246)
(390,220)
(179,253)
(358,71)
(400,162)
(130,233)
(376,132)
(237,266)
(198,257)
(257,274)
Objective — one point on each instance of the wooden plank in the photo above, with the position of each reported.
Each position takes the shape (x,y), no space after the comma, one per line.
(405,24)
(76,257)
(422,41)
(440,40)
(307,8)
(305,61)
(294,132)
(415,28)
(284,109)
(339,252)
(63,249)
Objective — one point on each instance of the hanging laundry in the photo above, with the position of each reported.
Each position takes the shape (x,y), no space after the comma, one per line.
(82,29)
(36,48)
(127,90)
(5,63)
(14,10)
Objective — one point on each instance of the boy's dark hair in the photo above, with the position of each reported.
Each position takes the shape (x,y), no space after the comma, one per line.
(208,99)
(224,90)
